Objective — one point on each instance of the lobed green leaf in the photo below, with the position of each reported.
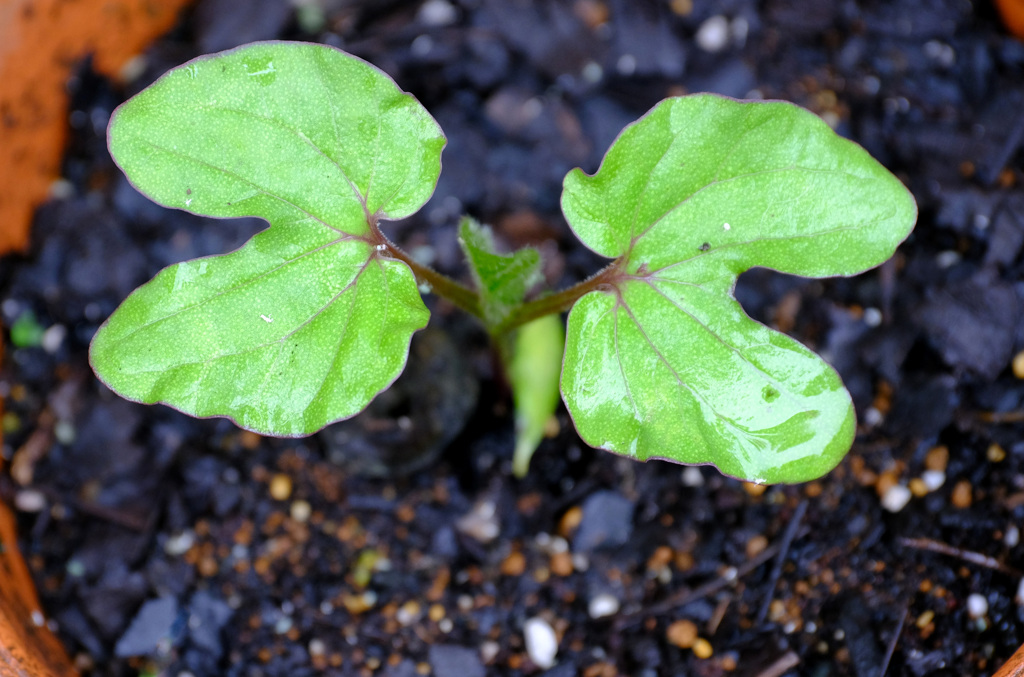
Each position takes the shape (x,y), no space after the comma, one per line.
(662,362)
(308,321)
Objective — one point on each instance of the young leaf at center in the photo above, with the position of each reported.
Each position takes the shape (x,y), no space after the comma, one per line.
(662,362)
(308,321)
(501,279)
(532,355)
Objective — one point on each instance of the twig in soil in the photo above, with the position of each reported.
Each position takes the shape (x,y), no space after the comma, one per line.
(687,595)
(121,518)
(892,644)
(717,616)
(965,555)
(781,665)
(1002,416)
(773,578)
(112,515)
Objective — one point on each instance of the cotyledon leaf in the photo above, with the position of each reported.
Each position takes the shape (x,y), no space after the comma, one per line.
(308,321)
(662,362)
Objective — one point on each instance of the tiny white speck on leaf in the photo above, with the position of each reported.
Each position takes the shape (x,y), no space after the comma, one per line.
(266,71)
(726,226)
(266,319)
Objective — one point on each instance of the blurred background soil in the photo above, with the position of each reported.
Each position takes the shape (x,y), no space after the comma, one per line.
(165,545)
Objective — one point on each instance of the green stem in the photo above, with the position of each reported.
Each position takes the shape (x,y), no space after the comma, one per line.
(457,294)
(560,301)
(468,299)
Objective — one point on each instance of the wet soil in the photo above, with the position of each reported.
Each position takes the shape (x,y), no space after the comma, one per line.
(166,545)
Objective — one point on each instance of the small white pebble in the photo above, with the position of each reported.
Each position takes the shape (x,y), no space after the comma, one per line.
(481,523)
(437,13)
(896,498)
(871,85)
(53,337)
(11,309)
(420,47)
(940,52)
(872,317)
(445,625)
(489,651)
(947,259)
(317,647)
(603,605)
(179,544)
(592,72)
(713,34)
(62,189)
(977,606)
(1012,536)
(872,417)
(541,642)
(30,500)
(64,431)
(933,479)
(301,510)
(626,65)
(692,476)
(133,69)
(532,108)
(408,614)
(38,619)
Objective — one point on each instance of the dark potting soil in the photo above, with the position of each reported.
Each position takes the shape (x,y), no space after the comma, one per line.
(166,545)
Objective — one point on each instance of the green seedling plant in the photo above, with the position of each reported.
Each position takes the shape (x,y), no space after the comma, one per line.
(307,322)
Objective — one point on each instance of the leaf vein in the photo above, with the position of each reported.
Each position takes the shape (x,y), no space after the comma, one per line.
(235,287)
(241,178)
(712,184)
(299,133)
